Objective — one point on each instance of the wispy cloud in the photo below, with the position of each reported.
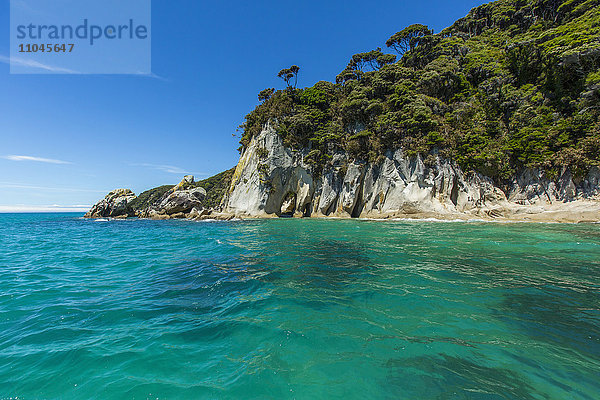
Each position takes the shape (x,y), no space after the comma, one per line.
(23,62)
(169,169)
(164,168)
(71,206)
(10,185)
(36,159)
(21,208)
(153,76)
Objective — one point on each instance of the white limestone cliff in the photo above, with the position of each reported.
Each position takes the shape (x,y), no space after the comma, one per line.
(273,180)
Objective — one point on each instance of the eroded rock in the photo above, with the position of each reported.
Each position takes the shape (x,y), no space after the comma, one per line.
(182,201)
(395,185)
(116,204)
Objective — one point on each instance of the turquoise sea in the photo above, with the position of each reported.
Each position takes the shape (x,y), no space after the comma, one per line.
(297,309)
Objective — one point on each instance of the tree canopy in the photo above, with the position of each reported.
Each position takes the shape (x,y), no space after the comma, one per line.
(515,84)
(372,60)
(408,38)
(266,94)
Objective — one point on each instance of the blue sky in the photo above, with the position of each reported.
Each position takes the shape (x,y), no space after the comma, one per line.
(66,140)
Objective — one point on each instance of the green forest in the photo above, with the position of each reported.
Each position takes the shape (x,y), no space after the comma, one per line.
(515,84)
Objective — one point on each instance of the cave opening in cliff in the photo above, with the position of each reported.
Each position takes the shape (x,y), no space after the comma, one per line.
(306,211)
(288,205)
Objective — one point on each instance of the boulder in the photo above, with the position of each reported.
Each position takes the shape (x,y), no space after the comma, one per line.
(156,216)
(182,201)
(116,204)
(194,213)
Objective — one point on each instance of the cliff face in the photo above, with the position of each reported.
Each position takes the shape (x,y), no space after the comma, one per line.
(273,180)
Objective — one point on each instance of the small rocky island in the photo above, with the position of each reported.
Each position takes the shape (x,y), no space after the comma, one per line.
(188,199)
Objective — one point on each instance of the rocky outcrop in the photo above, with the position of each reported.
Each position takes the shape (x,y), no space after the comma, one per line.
(116,204)
(531,187)
(273,180)
(184,200)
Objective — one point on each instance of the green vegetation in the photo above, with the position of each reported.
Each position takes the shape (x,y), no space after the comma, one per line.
(216,187)
(361,62)
(514,84)
(408,38)
(149,197)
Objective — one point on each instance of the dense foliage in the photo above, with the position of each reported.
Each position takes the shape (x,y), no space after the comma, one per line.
(149,197)
(514,84)
(216,187)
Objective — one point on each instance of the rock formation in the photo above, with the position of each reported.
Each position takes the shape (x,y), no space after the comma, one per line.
(273,180)
(183,200)
(178,202)
(116,204)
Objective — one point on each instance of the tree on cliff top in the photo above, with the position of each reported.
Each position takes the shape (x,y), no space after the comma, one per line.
(407,38)
(374,59)
(287,74)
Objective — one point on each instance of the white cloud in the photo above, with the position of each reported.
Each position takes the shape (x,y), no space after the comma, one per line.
(23,62)
(165,168)
(86,206)
(37,159)
(169,169)
(10,185)
(21,208)
(152,75)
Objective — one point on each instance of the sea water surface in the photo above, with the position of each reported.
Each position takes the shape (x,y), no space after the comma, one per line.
(304,309)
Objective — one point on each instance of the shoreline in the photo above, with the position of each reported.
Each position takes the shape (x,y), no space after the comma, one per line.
(547,217)
(577,211)
(406,219)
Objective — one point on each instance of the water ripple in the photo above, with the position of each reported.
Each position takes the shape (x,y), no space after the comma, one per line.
(297,309)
